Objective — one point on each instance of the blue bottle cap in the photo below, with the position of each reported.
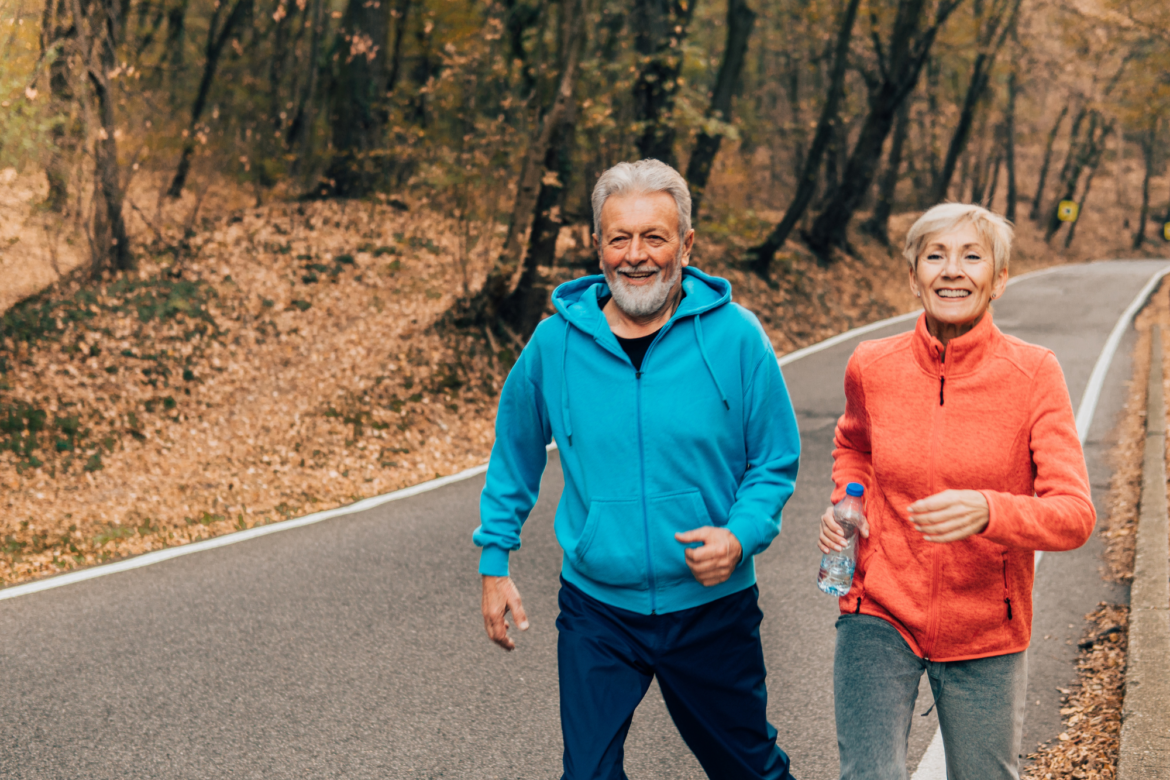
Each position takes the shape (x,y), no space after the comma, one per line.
(855,489)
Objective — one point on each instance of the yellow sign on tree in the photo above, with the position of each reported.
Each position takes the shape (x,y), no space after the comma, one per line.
(1166,231)
(1067,211)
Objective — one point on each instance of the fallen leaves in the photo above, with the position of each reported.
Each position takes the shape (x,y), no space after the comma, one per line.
(1087,748)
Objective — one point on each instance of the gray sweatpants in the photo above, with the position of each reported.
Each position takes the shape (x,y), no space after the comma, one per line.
(875,682)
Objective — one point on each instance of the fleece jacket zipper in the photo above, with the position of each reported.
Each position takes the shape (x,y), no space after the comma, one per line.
(936,420)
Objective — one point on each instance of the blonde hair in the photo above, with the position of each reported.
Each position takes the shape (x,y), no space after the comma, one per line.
(994,231)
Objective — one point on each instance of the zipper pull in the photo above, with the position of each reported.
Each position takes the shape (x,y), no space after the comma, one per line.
(942,380)
(637,375)
(1008,601)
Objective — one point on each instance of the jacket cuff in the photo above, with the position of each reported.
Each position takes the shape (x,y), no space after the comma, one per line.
(493,561)
(747,534)
(992,533)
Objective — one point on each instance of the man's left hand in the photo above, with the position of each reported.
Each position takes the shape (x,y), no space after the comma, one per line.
(714,562)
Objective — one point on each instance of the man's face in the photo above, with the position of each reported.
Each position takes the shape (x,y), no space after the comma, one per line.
(642,254)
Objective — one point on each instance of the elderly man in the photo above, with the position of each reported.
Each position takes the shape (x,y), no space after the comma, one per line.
(679,448)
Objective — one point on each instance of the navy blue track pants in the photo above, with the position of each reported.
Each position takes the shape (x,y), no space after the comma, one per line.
(710,667)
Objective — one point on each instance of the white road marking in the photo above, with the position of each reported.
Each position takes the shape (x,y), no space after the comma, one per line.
(933,765)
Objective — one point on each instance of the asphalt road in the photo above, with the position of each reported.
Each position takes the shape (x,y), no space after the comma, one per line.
(354,648)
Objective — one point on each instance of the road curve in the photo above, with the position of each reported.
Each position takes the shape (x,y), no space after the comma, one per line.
(354,648)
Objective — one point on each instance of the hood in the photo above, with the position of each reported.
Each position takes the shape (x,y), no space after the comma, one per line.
(577,300)
(577,303)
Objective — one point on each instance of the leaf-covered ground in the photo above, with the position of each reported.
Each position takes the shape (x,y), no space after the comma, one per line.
(285,367)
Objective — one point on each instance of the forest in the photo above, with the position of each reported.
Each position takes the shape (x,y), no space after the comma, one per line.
(260,258)
(819,119)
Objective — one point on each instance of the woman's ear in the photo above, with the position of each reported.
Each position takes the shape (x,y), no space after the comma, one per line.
(1000,284)
(914,284)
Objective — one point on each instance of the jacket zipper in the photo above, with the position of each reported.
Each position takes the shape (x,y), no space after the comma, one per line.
(942,376)
(935,554)
(642,479)
(1007,599)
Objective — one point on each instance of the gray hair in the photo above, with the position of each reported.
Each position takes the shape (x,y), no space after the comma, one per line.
(994,231)
(645,176)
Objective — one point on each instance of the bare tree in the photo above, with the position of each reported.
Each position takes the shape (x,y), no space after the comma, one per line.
(993,31)
(761,256)
(501,302)
(97,25)
(897,67)
(1037,199)
(660,27)
(879,222)
(1149,144)
(740,20)
(217,38)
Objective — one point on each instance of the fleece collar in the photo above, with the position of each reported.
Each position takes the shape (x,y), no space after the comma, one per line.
(964,354)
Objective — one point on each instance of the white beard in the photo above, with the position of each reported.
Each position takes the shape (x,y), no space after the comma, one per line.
(645,299)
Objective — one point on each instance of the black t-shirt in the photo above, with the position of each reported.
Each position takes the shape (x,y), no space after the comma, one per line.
(636,348)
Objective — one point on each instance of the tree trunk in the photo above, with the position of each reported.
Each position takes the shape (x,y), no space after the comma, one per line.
(300,131)
(97,29)
(57,34)
(401,18)
(908,49)
(1009,148)
(761,256)
(878,223)
(358,111)
(1149,141)
(740,19)
(496,304)
(176,29)
(991,37)
(1034,215)
(660,28)
(216,40)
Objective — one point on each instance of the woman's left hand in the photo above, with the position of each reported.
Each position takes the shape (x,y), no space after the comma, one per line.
(950,515)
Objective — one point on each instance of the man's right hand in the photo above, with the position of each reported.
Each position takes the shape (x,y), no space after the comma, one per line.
(499,597)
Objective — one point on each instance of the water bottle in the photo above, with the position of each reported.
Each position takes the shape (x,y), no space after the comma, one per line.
(836,574)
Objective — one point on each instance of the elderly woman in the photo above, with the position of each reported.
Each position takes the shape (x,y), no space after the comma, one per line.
(965,442)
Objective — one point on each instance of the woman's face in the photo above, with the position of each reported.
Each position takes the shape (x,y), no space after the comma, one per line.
(955,277)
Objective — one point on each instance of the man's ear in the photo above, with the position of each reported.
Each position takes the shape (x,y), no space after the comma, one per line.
(687,245)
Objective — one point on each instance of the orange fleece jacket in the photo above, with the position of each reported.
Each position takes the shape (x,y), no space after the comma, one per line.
(994,416)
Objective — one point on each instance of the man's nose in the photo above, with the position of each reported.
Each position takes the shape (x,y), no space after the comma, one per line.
(639,250)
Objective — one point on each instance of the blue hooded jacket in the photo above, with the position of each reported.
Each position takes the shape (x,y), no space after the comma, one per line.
(703,434)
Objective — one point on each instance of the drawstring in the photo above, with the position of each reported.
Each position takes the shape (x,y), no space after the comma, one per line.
(565,386)
(707,362)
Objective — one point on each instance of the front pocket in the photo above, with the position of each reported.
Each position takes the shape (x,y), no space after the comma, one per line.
(671,514)
(612,547)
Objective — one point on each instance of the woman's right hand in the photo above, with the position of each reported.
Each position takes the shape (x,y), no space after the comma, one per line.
(832,539)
